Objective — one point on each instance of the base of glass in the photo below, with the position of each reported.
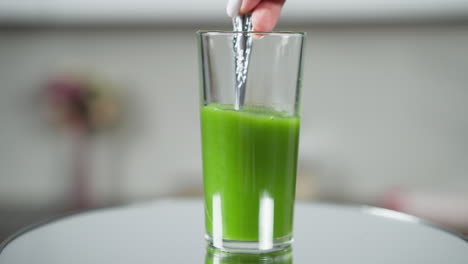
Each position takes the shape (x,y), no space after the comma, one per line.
(252,247)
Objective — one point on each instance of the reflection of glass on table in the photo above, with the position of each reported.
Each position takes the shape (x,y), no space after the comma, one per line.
(214,256)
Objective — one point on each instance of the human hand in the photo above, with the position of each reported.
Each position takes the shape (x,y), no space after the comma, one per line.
(265,13)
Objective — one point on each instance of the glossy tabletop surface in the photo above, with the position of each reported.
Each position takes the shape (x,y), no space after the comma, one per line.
(172,231)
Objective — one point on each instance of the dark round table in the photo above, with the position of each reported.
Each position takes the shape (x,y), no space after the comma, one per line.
(172,231)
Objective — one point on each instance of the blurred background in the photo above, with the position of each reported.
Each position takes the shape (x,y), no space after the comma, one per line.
(99,104)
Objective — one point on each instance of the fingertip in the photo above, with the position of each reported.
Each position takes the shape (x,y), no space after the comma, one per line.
(257,36)
(266,15)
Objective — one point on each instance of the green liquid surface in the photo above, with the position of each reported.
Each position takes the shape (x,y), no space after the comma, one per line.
(248,156)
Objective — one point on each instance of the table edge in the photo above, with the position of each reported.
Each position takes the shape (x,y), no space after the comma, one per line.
(364,209)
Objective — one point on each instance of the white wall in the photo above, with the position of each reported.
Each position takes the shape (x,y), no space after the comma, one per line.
(213,11)
(382,106)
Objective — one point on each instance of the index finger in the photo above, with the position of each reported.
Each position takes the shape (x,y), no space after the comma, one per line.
(266,15)
(248,5)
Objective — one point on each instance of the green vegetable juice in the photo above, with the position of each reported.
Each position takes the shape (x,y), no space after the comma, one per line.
(249,157)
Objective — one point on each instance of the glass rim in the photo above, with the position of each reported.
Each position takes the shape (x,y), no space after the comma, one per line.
(268,33)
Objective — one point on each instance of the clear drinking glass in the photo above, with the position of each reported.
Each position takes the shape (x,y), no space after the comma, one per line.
(250,153)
